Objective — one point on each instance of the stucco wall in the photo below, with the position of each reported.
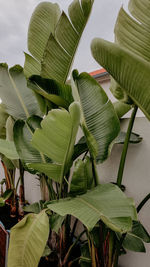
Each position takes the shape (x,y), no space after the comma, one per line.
(136,180)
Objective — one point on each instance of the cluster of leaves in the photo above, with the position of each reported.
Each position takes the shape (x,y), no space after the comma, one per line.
(47,112)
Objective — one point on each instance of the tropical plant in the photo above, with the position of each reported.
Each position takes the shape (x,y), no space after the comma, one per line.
(127,60)
(45,142)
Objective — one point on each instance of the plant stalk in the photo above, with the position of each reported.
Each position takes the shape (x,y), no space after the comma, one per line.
(125,147)
(143,202)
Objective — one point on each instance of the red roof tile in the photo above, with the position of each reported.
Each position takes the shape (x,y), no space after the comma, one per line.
(96,72)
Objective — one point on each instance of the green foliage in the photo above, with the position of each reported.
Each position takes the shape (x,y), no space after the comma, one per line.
(28,240)
(98,118)
(18,99)
(105,202)
(61,145)
(82,179)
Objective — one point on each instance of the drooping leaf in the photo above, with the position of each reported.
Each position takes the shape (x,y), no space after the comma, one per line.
(23,133)
(58,93)
(56,140)
(121,108)
(139,230)
(19,100)
(34,208)
(8,149)
(98,118)
(133,243)
(106,202)
(27,240)
(128,69)
(82,178)
(56,221)
(134,138)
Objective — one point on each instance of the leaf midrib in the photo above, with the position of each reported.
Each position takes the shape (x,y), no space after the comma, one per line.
(19,96)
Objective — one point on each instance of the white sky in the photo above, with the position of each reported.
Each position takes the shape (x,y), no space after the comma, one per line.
(14,20)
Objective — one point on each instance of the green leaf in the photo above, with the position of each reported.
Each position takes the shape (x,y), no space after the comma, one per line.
(28,240)
(19,100)
(106,202)
(80,148)
(43,22)
(56,140)
(82,178)
(128,69)
(98,118)
(7,194)
(3,119)
(121,108)
(34,208)
(56,221)
(139,230)
(8,149)
(23,133)
(133,243)
(58,93)
(134,138)
(53,51)
(61,48)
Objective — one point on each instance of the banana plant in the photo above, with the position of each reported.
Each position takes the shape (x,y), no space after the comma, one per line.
(47,146)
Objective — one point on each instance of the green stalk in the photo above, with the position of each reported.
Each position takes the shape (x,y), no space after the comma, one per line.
(95,173)
(119,245)
(125,147)
(143,202)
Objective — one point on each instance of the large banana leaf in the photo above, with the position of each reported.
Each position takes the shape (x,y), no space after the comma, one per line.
(42,24)
(98,117)
(129,70)
(19,100)
(56,140)
(53,39)
(132,32)
(106,202)
(27,240)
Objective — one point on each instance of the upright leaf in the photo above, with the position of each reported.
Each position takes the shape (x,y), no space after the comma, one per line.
(28,240)
(3,119)
(98,118)
(61,46)
(54,38)
(56,140)
(42,24)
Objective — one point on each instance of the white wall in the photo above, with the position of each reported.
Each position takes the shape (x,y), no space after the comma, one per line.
(136,180)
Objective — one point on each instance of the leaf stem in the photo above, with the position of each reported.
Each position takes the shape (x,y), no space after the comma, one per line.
(125,147)
(143,202)
(95,173)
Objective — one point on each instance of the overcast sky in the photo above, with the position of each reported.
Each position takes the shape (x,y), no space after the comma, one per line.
(14,20)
